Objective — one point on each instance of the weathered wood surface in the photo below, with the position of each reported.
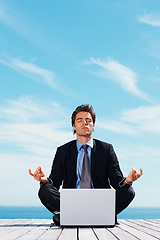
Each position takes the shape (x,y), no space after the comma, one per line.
(44,229)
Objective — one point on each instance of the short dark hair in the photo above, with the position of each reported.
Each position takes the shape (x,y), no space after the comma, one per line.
(83,108)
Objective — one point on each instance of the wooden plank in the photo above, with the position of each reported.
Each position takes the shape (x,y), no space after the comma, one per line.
(135,231)
(104,233)
(4,221)
(10,226)
(43,229)
(69,234)
(32,234)
(149,225)
(52,233)
(37,229)
(157,220)
(153,221)
(121,233)
(86,234)
(18,232)
(12,222)
(4,231)
(19,228)
(136,224)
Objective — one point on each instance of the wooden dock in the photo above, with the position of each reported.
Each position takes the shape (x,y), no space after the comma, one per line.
(44,229)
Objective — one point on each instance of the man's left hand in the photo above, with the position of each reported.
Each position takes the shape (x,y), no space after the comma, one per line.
(133,176)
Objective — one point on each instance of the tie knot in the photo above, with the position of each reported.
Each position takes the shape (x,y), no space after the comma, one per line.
(84,147)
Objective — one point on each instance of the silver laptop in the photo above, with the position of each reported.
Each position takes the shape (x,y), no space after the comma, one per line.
(87,207)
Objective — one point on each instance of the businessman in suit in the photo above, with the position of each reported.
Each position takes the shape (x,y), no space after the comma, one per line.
(84,163)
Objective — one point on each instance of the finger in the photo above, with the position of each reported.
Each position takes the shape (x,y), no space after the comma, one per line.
(36,173)
(135,175)
(140,174)
(39,169)
(30,172)
(133,170)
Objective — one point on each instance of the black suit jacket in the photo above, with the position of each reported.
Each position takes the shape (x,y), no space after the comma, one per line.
(105,169)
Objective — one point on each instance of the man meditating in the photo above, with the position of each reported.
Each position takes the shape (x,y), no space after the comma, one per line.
(84,163)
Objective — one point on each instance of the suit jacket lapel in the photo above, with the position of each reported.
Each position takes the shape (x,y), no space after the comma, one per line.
(73,158)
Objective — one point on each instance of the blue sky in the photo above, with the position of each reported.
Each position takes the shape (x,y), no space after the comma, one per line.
(56,55)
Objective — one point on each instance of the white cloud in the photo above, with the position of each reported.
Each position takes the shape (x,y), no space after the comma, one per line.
(27,109)
(48,76)
(141,114)
(146,117)
(6,17)
(22,25)
(34,127)
(30,132)
(119,73)
(117,127)
(136,122)
(37,73)
(150,19)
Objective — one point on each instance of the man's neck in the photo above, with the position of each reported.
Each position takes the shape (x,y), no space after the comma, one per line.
(84,139)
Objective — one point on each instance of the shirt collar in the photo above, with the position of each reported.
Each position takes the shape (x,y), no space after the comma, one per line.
(89,143)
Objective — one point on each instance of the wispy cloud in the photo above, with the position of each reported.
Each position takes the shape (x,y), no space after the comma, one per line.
(150,19)
(37,73)
(30,131)
(146,117)
(117,127)
(25,27)
(34,127)
(135,122)
(17,22)
(6,17)
(122,75)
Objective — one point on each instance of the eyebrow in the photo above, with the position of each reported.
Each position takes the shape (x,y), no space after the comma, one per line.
(84,118)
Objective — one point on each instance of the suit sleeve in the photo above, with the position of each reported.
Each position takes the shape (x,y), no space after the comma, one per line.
(114,171)
(56,174)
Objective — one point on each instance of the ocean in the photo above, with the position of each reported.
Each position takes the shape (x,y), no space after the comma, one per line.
(13,212)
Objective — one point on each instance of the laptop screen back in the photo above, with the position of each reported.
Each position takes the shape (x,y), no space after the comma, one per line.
(87,207)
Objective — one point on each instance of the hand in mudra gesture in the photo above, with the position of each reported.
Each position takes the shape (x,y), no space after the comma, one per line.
(38,175)
(133,176)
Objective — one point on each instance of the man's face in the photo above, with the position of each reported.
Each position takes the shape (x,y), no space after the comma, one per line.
(83,124)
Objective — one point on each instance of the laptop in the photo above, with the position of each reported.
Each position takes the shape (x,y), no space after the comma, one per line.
(87,207)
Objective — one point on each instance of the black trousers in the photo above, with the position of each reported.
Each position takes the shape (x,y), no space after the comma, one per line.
(50,197)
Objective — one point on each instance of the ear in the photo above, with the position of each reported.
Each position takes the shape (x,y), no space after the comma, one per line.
(74,127)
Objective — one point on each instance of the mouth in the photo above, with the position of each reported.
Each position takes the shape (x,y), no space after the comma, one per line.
(85,128)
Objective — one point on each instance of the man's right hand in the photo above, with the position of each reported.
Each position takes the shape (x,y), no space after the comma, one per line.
(39,175)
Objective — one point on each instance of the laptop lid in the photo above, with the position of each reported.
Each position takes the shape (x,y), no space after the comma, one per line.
(87,207)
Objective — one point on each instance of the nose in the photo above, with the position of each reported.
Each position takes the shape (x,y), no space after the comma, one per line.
(85,121)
